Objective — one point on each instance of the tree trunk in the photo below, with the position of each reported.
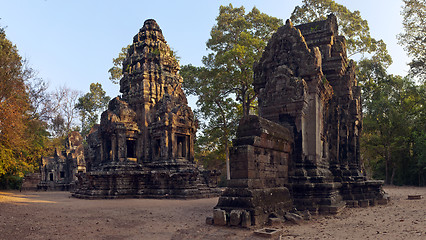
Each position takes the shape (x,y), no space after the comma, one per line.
(387,163)
(386,171)
(246,103)
(228,168)
(393,174)
(246,108)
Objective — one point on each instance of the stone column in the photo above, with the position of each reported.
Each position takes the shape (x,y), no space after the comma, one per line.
(113,148)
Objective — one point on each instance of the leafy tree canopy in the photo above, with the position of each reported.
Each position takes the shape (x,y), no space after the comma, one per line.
(236,42)
(414,36)
(224,84)
(116,71)
(394,126)
(90,105)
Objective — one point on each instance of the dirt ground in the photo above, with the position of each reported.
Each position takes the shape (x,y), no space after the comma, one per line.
(56,215)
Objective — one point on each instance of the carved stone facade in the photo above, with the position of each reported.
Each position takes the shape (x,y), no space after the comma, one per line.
(306,86)
(143,146)
(259,165)
(59,172)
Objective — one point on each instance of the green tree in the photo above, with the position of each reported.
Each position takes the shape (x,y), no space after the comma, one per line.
(393,125)
(90,106)
(351,25)
(219,114)
(236,42)
(419,152)
(116,71)
(224,84)
(414,36)
(418,136)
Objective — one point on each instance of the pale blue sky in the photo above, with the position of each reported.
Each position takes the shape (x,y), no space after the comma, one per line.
(73,42)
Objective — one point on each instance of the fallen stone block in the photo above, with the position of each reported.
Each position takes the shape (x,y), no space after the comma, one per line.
(306,215)
(245,219)
(414,197)
(235,218)
(268,232)
(363,203)
(275,222)
(209,220)
(219,217)
(293,217)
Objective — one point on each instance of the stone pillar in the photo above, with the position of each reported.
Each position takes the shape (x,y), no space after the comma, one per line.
(166,145)
(114,148)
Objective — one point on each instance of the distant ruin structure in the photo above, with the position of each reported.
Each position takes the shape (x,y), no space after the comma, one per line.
(302,151)
(144,145)
(59,172)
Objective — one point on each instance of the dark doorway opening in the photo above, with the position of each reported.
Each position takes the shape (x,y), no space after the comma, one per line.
(157,148)
(131,148)
(108,149)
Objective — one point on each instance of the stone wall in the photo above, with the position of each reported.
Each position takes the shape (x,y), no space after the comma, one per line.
(30,182)
(259,161)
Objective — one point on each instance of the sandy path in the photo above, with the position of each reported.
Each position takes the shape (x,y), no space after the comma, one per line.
(54,215)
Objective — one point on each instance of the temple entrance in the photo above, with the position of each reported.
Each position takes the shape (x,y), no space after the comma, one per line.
(108,150)
(157,148)
(131,148)
(181,141)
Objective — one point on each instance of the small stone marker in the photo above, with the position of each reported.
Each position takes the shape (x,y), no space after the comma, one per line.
(414,197)
(209,220)
(268,232)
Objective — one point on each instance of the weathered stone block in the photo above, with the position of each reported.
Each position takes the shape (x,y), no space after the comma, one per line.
(219,217)
(268,232)
(275,221)
(293,218)
(352,203)
(245,219)
(235,218)
(209,220)
(363,203)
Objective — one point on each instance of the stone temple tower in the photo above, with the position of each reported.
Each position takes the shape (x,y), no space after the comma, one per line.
(143,146)
(302,151)
(151,122)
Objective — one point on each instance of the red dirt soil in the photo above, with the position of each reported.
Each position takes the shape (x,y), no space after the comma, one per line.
(56,215)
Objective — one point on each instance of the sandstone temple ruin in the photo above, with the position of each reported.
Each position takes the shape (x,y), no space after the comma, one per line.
(143,146)
(59,172)
(302,151)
